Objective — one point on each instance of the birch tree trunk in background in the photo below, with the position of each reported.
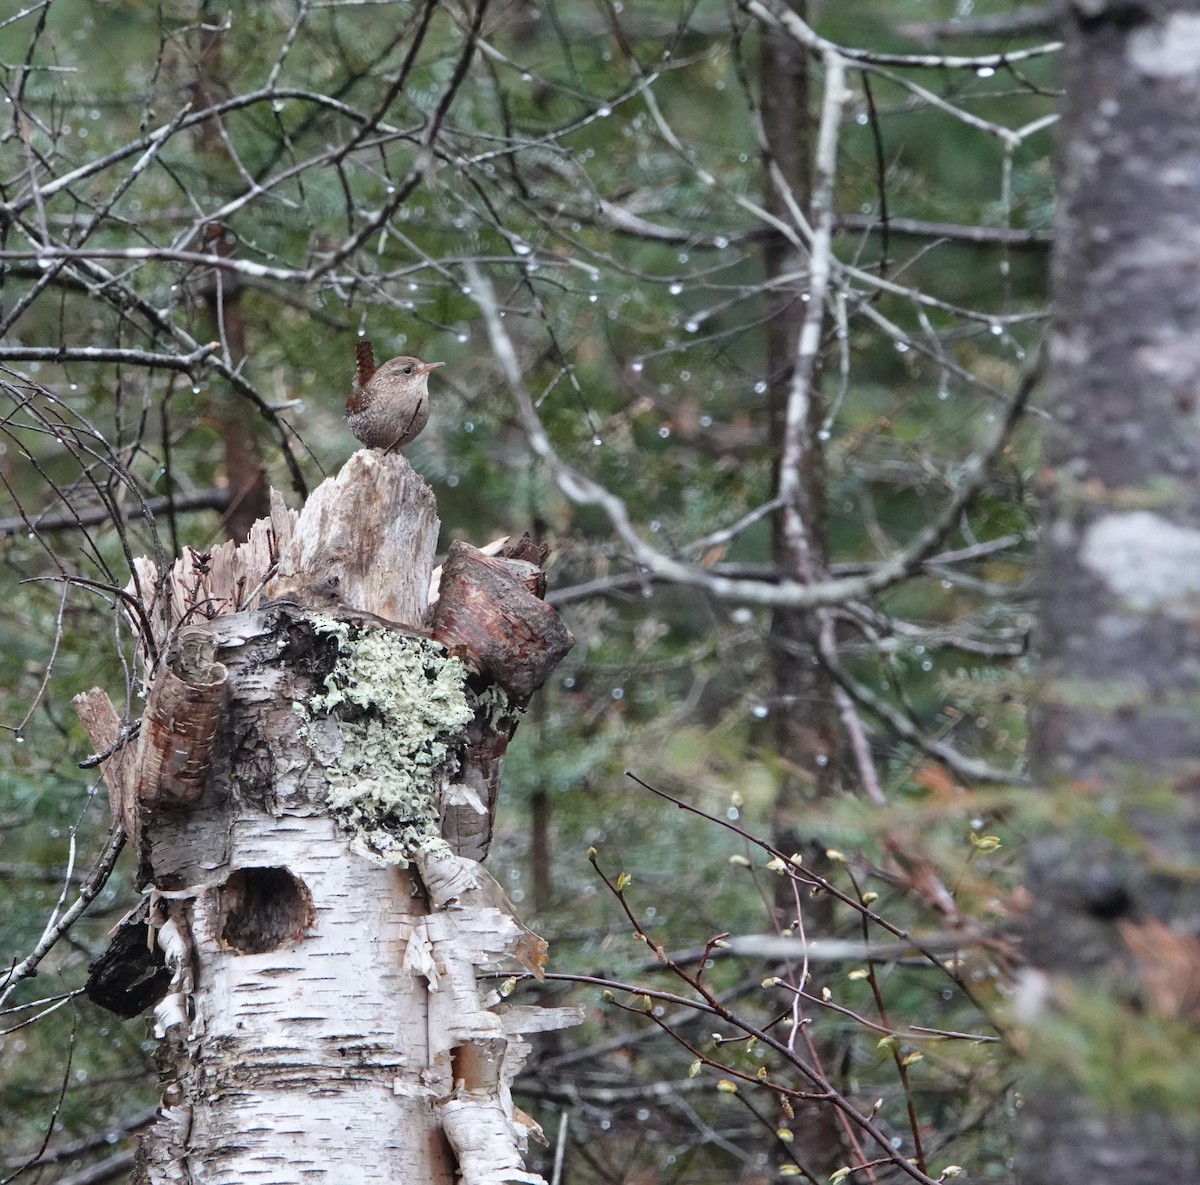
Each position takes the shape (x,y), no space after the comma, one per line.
(1114,998)
(803,713)
(312,791)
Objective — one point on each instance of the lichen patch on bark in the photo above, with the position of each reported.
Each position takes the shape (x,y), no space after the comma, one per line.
(401,704)
(1152,564)
(1166,48)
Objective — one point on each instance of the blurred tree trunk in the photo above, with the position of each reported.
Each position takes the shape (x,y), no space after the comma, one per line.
(1113,997)
(805,724)
(245,471)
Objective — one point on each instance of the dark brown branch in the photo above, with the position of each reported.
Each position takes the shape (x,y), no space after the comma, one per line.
(100,1139)
(107,354)
(94,515)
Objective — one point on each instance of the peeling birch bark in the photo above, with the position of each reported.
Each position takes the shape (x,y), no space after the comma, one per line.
(305,748)
(180,723)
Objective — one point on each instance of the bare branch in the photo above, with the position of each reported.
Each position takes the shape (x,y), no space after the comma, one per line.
(583,490)
(779,15)
(184,362)
(58,926)
(797,440)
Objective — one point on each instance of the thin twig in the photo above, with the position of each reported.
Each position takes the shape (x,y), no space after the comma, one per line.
(57,927)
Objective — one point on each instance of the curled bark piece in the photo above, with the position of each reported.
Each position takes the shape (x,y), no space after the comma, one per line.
(454,882)
(180,725)
(489,612)
(174,940)
(486,1141)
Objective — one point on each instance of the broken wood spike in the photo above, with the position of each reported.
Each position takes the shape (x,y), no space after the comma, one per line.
(103,727)
(362,536)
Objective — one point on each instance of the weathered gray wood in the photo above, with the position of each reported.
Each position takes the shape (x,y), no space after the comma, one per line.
(361,538)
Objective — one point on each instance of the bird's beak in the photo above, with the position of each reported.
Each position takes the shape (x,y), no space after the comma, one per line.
(428,366)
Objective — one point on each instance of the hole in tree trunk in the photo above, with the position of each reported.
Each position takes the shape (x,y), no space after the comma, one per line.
(263,909)
(477,1063)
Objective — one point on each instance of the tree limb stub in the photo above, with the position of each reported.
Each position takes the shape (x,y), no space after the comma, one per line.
(490,608)
(104,729)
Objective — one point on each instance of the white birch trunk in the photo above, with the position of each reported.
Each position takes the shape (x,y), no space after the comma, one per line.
(324,1021)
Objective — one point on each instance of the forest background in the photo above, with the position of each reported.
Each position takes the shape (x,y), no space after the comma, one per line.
(732,306)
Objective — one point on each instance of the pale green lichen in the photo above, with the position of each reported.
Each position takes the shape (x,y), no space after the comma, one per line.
(494,702)
(401,704)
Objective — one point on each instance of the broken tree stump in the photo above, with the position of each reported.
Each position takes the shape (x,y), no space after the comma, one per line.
(309,797)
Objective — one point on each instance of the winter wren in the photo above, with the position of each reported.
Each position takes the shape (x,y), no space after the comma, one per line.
(388,406)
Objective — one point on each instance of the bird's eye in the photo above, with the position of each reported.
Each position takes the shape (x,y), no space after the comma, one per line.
(408,370)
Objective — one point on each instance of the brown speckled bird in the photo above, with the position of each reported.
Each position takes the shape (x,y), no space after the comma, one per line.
(389,405)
